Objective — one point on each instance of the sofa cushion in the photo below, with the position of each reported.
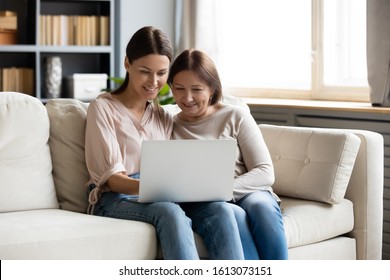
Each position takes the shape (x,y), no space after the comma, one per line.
(311,163)
(25,162)
(308,222)
(55,234)
(67,134)
(338,248)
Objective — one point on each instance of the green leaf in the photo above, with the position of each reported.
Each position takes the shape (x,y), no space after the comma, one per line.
(167,100)
(165,90)
(116,80)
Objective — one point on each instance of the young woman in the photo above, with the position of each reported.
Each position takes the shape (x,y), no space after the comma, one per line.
(197,90)
(117,123)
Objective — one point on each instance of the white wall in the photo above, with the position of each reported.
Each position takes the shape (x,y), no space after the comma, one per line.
(131,15)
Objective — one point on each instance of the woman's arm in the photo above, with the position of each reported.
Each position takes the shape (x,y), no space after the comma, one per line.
(102,152)
(257,170)
(121,183)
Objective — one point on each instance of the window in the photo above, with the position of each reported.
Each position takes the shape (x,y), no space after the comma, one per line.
(313,49)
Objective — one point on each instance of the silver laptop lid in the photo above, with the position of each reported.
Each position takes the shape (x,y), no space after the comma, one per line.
(187,170)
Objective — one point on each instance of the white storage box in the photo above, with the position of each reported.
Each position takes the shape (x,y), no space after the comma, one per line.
(86,86)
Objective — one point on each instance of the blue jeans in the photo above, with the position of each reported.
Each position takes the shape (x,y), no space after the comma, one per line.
(261,227)
(216,223)
(175,223)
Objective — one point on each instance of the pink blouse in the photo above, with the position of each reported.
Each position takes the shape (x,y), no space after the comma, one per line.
(114,136)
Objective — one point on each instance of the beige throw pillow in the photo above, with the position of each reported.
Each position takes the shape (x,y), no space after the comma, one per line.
(311,163)
(67,136)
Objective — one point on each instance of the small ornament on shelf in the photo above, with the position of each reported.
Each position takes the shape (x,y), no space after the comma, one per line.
(52,77)
(8,27)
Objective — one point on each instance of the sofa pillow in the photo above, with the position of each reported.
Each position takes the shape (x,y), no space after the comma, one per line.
(25,163)
(311,163)
(67,136)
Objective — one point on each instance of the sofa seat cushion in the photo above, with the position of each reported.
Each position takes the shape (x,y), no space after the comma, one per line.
(309,222)
(311,163)
(338,248)
(25,161)
(60,234)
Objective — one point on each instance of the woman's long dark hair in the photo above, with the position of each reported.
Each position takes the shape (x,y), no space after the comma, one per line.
(202,65)
(147,40)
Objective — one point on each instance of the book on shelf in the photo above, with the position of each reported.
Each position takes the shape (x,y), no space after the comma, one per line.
(104,30)
(17,79)
(76,30)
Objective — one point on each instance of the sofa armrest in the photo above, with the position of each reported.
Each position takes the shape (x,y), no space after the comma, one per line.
(365,190)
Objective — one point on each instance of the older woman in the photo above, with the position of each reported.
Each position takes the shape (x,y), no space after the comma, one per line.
(197,90)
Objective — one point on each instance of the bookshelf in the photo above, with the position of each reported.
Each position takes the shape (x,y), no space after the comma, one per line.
(88,47)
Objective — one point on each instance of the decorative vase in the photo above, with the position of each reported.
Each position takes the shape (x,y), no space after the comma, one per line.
(52,77)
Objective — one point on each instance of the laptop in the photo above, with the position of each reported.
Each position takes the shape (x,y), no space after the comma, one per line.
(187,170)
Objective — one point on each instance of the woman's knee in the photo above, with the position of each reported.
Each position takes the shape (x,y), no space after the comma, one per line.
(223,209)
(260,201)
(169,211)
(239,212)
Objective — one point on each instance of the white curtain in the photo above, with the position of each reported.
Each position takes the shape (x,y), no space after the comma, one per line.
(196,26)
(378,51)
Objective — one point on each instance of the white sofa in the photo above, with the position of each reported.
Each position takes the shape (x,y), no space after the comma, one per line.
(328,214)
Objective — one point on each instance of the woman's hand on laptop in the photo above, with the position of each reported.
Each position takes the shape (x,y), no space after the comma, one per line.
(121,183)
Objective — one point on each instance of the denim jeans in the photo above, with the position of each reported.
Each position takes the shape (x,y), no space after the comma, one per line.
(175,223)
(247,241)
(216,223)
(261,227)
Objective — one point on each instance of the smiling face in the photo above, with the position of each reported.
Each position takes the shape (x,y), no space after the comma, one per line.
(192,96)
(148,75)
